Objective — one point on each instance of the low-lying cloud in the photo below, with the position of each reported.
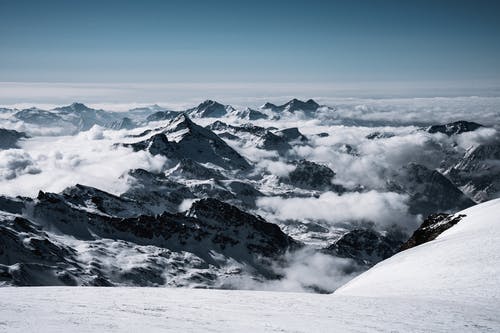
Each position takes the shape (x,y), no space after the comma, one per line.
(384,208)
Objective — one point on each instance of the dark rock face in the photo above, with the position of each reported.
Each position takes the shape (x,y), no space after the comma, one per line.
(478,172)
(293,106)
(265,238)
(9,138)
(379,135)
(457,127)
(189,169)
(192,142)
(271,141)
(433,226)
(367,247)
(208,108)
(28,256)
(12,205)
(155,193)
(251,114)
(162,115)
(210,225)
(292,134)
(429,190)
(125,123)
(311,175)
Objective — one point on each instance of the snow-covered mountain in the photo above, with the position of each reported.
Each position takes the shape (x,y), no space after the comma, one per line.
(461,263)
(449,284)
(246,200)
(182,138)
(457,127)
(292,106)
(210,109)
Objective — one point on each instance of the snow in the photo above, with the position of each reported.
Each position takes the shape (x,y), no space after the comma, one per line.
(461,263)
(86,309)
(451,284)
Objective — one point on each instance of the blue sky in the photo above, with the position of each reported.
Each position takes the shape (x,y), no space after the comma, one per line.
(249,41)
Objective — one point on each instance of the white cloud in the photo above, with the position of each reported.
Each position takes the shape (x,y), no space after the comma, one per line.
(384,208)
(54,163)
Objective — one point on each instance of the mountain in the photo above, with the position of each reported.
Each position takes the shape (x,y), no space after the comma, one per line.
(155,192)
(379,135)
(293,106)
(209,109)
(71,118)
(163,115)
(291,134)
(478,172)
(429,191)
(74,238)
(40,117)
(462,263)
(457,127)
(311,175)
(84,117)
(183,139)
(249,114)
(433,226)
(367,247)
(125,123)
(10,138)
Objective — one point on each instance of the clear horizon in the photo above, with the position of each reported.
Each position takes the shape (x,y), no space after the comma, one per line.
(226,41)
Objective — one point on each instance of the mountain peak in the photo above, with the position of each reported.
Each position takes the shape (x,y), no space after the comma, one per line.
(457,127)
(75,106)
(210,109)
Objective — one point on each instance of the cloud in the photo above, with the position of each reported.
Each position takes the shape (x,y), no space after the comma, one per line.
(383,208)
(89,158)
(305,270)
(15,163)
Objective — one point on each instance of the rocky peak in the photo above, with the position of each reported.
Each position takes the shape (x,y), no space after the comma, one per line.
(457,127)
(10,138)
(366,246)
(292,134)
(74,107)
(428,189)
(209,108)
(433,226)
(311,175)
(224,216)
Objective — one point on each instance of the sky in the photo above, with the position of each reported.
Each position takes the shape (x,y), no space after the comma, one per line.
(292,42)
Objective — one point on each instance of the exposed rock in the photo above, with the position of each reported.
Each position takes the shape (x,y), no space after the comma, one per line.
(125,123)
(162,115)
(379,135)
(10,138)
(250,114)
(183,139)
(478,172)
(293,106)
(210,109)
(433,226)
(429,190)
(367,247)
(311,175)
(457,127)
(292,134)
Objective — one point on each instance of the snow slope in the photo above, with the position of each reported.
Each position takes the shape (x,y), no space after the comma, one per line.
(90,309)
(461,263)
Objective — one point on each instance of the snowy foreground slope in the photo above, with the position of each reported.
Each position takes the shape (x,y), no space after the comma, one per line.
(463,262)
(93,309)
(450,284)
